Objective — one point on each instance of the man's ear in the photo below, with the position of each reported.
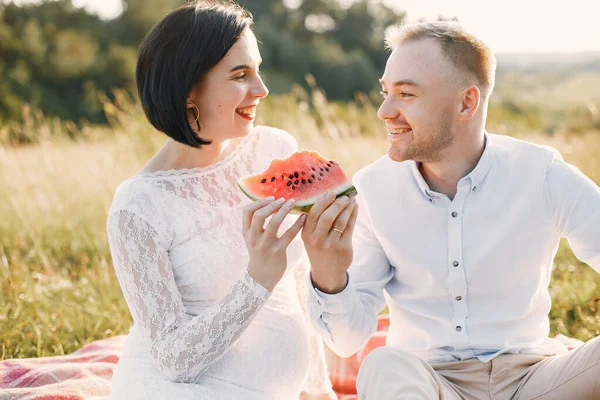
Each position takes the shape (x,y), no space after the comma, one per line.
(470,100)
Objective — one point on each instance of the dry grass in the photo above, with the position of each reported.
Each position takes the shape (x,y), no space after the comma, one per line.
(58,290)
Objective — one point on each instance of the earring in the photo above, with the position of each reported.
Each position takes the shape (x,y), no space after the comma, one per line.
(197,112)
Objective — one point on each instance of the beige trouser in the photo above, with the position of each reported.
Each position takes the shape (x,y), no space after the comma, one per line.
(388,373)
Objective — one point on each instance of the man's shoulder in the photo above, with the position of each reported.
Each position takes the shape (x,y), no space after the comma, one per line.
(510,148)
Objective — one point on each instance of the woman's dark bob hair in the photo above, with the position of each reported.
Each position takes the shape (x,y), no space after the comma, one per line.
(176,54)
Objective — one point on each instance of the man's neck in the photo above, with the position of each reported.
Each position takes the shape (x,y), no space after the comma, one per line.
(457,162)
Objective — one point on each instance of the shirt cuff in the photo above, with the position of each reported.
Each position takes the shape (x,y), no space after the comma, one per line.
(339,303)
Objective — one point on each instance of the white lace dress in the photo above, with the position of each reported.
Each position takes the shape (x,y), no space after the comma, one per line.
(203,328)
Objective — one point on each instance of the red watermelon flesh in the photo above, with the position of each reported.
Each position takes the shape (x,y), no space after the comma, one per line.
(304,176)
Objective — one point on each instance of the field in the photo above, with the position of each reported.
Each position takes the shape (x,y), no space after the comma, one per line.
(58,290)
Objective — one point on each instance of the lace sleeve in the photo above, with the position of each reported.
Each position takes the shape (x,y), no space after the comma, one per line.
(317,381)
(182,346)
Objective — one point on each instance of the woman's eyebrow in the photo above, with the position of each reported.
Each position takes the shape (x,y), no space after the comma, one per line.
(243,66)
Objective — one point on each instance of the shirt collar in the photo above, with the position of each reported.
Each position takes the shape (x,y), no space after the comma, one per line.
(423,186)
(476,176)
(483,165)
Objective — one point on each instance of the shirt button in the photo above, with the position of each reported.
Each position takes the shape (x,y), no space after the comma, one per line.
(458,298)
(454,214)
(455,263)
(474,188)
(458,329)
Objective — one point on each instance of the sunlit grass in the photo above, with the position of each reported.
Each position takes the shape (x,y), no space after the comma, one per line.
(58,290)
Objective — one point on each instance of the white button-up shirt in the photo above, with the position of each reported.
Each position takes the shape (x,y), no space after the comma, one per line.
(466,277)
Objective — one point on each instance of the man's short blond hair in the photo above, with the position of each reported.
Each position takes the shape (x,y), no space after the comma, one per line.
(466,52)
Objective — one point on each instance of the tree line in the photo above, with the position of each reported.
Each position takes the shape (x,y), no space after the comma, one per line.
(60,58)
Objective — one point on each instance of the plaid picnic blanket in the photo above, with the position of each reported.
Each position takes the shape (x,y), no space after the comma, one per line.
(86,373)
(343,371)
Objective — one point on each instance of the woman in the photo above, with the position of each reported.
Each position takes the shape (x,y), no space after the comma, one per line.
(215,294)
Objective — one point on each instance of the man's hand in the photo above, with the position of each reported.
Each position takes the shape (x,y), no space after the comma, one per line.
(327,236)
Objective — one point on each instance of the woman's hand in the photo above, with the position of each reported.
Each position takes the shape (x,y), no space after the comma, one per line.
(327,237)
(307,396)
(268,259)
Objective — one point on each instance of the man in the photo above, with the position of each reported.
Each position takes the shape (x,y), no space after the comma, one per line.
(456,231)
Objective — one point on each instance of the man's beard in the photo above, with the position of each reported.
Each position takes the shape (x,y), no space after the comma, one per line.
(428,150)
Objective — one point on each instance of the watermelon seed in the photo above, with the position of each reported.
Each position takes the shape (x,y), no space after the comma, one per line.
(293,187)
(295,174)
(296,182)
(289,183)
(321,174)
(263,181)
(303,173)
(291,176)
(321,169)
(313,176)
(273,179)
(303,181)
(326,169)
(310,181)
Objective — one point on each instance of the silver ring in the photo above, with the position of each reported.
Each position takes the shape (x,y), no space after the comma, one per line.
(337,230)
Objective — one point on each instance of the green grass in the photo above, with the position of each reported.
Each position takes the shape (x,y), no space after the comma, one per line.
(58,290)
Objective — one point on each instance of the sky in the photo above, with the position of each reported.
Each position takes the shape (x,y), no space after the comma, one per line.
(505,25)
(518,25)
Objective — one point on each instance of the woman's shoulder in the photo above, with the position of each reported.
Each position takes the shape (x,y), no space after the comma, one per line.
(140,203)
(139,196)
(276,141)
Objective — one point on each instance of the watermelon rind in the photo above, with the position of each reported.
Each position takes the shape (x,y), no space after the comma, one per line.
(303,206)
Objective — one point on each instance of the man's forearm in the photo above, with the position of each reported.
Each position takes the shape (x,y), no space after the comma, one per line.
(344,322)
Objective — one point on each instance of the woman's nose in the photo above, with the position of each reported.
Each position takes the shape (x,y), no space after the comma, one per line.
(260,90)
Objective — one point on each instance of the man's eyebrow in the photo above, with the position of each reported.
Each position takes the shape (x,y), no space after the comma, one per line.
(408,82)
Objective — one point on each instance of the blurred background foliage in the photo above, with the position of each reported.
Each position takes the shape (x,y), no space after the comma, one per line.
(67,62)
(59,58)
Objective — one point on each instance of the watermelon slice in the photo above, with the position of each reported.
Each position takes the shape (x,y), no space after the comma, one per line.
(304,176)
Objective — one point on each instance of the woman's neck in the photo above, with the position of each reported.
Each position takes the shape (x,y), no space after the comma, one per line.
(176,156)
(187,157)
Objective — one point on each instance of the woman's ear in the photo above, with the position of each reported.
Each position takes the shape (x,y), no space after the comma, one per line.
(189,99)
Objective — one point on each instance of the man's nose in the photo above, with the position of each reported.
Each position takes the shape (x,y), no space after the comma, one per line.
(387,110)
